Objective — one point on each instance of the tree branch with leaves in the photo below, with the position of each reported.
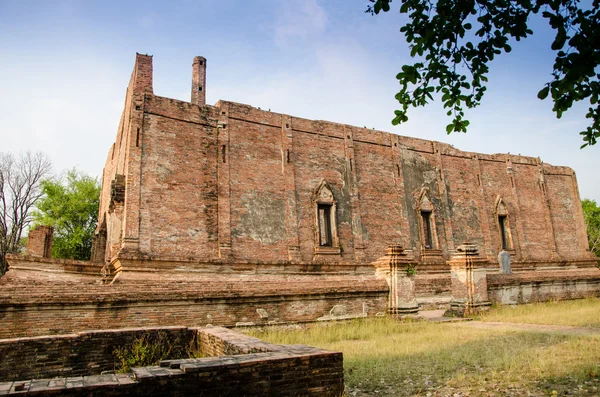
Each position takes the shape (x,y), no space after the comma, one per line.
(456,41)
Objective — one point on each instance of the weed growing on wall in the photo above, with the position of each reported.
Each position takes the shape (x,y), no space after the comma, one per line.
(147,349)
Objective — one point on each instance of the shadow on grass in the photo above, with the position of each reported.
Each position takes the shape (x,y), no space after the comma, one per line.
(583,380)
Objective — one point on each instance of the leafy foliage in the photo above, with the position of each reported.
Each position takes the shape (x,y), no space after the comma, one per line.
(591,214)
(20,178)
(70,205)
(458,40)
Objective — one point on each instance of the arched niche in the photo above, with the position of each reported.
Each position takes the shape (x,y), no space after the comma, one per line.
(426,215)
(502,216)
(325,219)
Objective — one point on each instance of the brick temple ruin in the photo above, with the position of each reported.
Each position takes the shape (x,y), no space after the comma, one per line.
(229,215)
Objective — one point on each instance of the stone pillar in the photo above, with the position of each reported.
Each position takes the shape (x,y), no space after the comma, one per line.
(469,281)
(398,270)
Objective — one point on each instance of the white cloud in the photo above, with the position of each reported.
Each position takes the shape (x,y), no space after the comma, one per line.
(299,19)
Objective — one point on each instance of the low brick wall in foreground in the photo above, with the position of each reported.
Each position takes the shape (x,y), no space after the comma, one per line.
(83,353)
(255,368)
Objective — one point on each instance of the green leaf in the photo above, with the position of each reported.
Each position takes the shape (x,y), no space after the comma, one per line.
(543,92)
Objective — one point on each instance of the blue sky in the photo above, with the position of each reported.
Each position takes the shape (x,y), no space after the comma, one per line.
(65,65)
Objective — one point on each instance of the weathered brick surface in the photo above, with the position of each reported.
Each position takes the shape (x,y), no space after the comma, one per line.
(247,366)
(84,353)
(39,241)
(234,183)
(540,286)
(30,262)
(41,303)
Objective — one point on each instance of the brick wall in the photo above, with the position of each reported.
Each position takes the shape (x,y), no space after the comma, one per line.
(84,353)
(250,368)
(39,241)
(235,183)
(36,302)
(543,286)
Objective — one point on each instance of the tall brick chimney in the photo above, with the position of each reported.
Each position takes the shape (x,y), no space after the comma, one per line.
(141,78)
(199,81)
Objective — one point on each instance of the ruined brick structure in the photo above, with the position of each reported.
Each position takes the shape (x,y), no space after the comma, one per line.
(39,241)
(190,184)
(232,364)
(232,215)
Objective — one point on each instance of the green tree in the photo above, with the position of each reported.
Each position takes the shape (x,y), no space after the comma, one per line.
(591,214)
(456,40)
(70,205)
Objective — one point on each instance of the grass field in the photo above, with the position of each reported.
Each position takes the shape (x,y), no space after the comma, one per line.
(581,313)
(386,357)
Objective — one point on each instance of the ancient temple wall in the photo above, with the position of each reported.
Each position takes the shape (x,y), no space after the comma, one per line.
(236,184)
(494,183)
(565,206)
(178,202)
(536,243)
(318,154)
(379,200)
(254,161)
(463,199)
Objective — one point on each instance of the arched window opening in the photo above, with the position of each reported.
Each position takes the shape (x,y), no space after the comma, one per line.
(503,225)
(325,239)
(326,236)
(427,220)
(428,235)
(502,220)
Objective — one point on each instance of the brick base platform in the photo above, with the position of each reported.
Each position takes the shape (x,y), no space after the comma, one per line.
(48,302)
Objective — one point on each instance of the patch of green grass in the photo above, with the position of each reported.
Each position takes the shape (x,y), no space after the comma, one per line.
(406,359)
(580,312)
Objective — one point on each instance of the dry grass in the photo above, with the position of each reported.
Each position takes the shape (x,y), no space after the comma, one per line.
(581,313)
(385,357)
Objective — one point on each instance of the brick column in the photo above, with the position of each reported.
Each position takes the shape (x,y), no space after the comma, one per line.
(141,84)
(444,199)
(484,219)
(469,281)
(39,242)
(357,226)
(289,175)
(548,211)
(398,270)
(224,183)
(399,182)
(199,81)
(521,256)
